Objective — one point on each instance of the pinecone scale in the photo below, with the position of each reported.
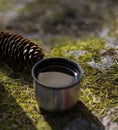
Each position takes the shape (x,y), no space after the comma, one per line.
(18,51)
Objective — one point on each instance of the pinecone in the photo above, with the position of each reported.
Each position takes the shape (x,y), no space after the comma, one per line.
(19,52)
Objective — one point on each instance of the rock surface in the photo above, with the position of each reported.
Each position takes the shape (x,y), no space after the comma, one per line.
(110,120)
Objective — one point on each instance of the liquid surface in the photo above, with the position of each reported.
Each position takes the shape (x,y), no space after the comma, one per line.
(55,79)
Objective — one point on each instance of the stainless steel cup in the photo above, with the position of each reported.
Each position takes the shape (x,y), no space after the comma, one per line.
(53,98)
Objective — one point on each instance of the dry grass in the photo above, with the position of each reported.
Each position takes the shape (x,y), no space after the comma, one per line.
(99,91)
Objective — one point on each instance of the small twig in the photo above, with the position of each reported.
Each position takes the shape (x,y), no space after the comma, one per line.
(96,79)
(19,122)
(4,118)
(21,112)
(9,104)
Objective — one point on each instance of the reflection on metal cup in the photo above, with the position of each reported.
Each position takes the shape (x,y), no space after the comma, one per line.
(57,83)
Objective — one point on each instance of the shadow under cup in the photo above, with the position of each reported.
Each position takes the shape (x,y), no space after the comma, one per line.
(57,83)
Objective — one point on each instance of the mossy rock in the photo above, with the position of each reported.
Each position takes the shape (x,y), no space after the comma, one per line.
(100,87)
(99,90)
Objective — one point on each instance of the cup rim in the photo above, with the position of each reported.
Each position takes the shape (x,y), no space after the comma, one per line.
(52,60)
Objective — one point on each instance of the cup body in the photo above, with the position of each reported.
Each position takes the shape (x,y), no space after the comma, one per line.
(53,98)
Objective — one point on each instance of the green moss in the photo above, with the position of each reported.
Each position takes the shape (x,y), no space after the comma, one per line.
(18,106)
(90,46)
(99,89)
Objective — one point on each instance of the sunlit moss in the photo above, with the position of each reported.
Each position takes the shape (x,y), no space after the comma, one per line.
(98,91)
